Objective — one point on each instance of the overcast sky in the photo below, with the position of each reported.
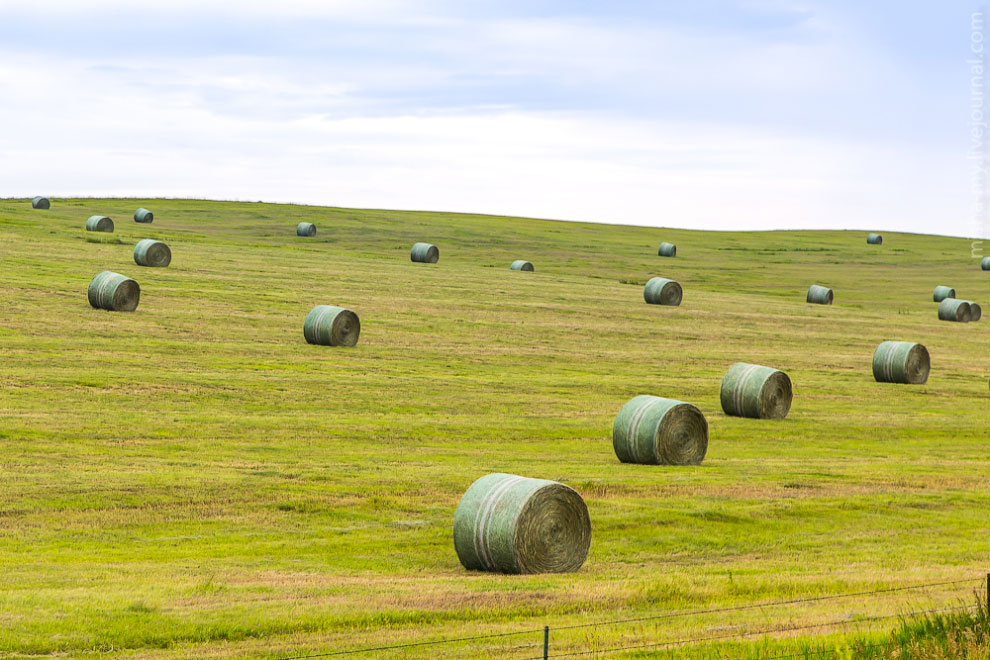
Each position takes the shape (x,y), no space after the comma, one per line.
(706,114)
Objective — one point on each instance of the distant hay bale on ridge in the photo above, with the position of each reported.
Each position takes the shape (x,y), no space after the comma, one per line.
(327,325)
(114,292)
(943,292)
(510,524)
(819,295)
(143,215)
(874,239)
(149,252)
(40,203)
(425,253)
(521,264)
(985,264)
(752,390)
(901,362)
(952,309)
(305,229)
(661,291)
(656,431)
(99,223)
(667,250)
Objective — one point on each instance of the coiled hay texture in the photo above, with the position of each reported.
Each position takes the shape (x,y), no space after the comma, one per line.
(511,524)
(425,253)
(751,390)
(305,229)
(901,362)
(143,215)
(656,431)
(331,326)
(975,311)
(521,264)
(114,292)
(661,291)
(820,295)
(952,309)
(40,203)
(149,252)
(667,250)
(99,223)
(874,239)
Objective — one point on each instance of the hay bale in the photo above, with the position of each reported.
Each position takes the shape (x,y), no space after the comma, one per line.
(149,252)
(114,292)
(40,203)
(943,292)
(425,253)
(511,524)
(667,250)
(874,239)
(520,264)
(901,362)
(751,390)
(305,229)
(661,291)
(975,311)
(99,223)
(820,295)
(985,264)
(331,326)
(143,215)
(953,309)
(656,431)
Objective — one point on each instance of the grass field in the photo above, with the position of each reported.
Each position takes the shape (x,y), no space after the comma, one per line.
(194,480)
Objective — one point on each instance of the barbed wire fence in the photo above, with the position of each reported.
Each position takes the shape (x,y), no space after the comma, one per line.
(545,632)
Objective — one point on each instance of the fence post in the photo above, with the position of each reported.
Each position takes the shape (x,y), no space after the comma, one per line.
(546,639)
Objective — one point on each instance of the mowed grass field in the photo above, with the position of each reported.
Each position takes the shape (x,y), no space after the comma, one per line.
(194,480)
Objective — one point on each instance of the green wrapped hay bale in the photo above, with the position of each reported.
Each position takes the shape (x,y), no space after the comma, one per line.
(655,431)
(305,229)
(114,292)
(661,291)
(150,252)
(99,223)
(521,264)
(751,390)
(943,292)
(975,311)
(985,264)
(901,362)
(667,250)
(820,295)
(874,239)
(511,524)
(425,253)
(40,203)
(953,309)
(331,326)
(144,215)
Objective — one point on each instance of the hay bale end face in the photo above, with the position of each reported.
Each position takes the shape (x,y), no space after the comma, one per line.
(40,203)
(114,292)
(901,362)
(655,431)
(143,215)
(520,264)
(874,239)
(327,325)
(751,390)
(305,229)
(425,253)
(975,311)
(943,292)
(99,223)
(985,264)
(661,291)
(820,295)
(667,250)
(149,252)
(511,524)
(952,309)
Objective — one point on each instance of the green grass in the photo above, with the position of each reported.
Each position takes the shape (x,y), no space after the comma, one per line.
(194,480)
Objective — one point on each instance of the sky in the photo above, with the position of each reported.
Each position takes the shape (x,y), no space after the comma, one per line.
(708,114)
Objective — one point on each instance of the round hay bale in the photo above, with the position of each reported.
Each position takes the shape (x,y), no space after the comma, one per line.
(305,229)
(975,311)
(874,239)
(953,309)
(751,390)
(820,295)
(655,431)
(40,203)
(149,252)
(661,291)
(943,292)
(511,524)
(520,264)
(667,250)
(99,223)
(114,292)
(425,253)
(144,215)
(901,362)
(985,264)
(331,326)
